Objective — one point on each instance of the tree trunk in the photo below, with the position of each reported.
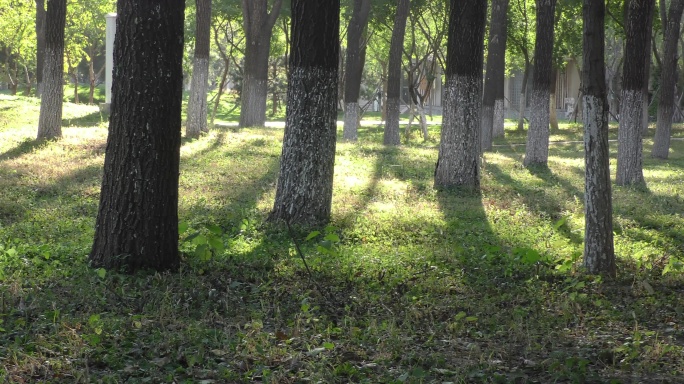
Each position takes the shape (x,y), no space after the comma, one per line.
(458,163)
(599,256)
(222,85)
(647,75)
(74,76)
(258,25)
(523,97)
(668,79)
(50,120)
(553,114)
(137,221)
(494,80)
(354,68)
(40,45)
(197,104)
(537,149)
(304,188)
(391,133)
(630,158)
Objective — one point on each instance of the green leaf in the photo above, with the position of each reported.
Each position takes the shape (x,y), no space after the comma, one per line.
(560,222)
(213,228)
(471,318)
(199,240)
(182,227)
(216,244)
(312,235)
(328,345)
(101,273)
(460,315)
(332,237)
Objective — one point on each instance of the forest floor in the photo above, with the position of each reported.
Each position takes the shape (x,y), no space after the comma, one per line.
(407,285)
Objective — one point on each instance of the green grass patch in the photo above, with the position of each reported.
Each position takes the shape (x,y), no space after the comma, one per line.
(409,285)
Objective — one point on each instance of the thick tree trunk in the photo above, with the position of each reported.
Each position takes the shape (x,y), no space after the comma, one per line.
(304,188)
(40,45)
(630,158)
(523,97)
(50,120)
(494,80)
(537,149)
(599,255)
(458,163)
(668,79)
(137,221)
(391,134)
(354,68)
(647,75)
(258,25)
(197,104)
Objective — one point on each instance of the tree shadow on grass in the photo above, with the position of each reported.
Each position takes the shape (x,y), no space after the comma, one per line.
(27,146)
(92,119)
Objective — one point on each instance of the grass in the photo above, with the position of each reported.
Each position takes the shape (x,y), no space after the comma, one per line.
(422,287)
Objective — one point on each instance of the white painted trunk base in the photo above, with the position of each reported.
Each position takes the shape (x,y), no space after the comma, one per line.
(537,149)
(498,122)
(391,134)
(196,122)
(487,127)
(458,164)
(253,105)
(50,120)
(350,131)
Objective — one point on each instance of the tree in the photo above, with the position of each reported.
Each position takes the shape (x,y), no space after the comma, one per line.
(599,256)
(137,221)
(17,44)
(458,163)
(521,40)
(537,149)
(197,103)
(229,40)
(354,68)
(668,79)
(493,98)
(391,133)
(630,158)
(258,24)
(50,120)
(40,44)
(304,188)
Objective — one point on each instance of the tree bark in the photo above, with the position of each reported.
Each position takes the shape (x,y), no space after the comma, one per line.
(391,133)
(668,79)
(258,24)
(599,255)
(494,80)
(523,95)
(553,115)
(354,68)
(458,163)
(630,158)
(304,188)
(40,45)
(647,75)
(137,221)
(537,149)
(197,104)
(50,120)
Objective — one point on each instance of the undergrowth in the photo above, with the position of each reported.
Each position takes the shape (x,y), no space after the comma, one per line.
(406,285)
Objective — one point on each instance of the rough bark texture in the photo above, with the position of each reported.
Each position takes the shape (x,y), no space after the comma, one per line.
(391,134)
(354,68)
(599,255)
(304,189)
(40,45)
(668,79)
(537,149)
(494,80)
(137,221)
(197,103)
(647,76)
(258,24)
(50,120)
(629,158)
(458,164)
(498,124)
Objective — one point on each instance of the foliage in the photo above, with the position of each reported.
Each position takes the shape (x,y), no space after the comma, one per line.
(410,286)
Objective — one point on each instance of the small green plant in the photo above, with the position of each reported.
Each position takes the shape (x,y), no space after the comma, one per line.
(203,245)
